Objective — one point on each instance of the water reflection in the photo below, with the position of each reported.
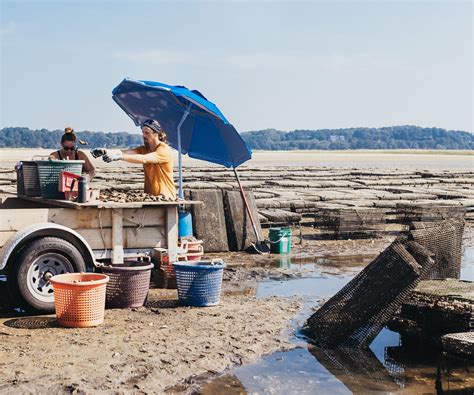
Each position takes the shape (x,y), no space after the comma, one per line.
(289,261)
(291,372)
(311,370)
(284,261)
(359,370)
(421,367)
(319,285)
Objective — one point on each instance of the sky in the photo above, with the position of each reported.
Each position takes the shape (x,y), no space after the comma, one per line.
(266,64)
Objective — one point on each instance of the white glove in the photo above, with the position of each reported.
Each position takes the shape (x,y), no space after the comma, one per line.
(112,156)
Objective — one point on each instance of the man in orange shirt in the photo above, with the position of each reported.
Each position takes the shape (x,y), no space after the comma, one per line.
(155,155)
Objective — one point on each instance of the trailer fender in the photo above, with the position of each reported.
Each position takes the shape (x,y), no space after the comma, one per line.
(42,230)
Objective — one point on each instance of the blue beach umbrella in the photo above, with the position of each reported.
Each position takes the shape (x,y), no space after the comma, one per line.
(193,124)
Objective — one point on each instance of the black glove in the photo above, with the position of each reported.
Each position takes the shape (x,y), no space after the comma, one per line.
(96,152)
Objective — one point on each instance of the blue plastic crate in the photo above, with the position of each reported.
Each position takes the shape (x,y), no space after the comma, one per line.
(199,283)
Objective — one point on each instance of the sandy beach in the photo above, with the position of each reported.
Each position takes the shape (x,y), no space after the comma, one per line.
(164,347)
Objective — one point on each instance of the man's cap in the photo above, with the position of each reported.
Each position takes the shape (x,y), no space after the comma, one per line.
(153,125)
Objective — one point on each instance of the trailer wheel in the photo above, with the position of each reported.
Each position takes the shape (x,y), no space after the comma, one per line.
(37,262)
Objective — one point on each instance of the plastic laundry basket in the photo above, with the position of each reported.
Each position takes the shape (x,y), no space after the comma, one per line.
(28,179)
(199,283)
(49,172)
(79,299)
(129,284)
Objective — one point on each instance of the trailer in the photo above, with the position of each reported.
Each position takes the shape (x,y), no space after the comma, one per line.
(40,238)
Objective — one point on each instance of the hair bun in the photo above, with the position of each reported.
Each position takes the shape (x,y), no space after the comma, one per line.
(68,130)
(163,137)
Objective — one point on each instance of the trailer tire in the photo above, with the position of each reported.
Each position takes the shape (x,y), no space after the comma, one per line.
(36,263)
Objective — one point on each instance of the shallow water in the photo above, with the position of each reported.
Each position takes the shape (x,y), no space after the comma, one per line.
(391,365)
(359,159)
(467,264)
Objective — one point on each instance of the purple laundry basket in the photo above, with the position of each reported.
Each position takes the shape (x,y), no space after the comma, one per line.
(128,285)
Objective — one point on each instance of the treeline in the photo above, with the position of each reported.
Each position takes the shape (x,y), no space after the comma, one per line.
(396,137)
(43,138)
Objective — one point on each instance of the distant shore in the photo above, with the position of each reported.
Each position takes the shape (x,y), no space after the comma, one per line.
(303,151)
(377,151)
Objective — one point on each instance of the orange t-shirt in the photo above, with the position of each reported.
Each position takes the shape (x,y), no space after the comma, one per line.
(159,176)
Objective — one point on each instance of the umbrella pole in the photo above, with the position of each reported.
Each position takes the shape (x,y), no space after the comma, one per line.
(180,159)
(260,246)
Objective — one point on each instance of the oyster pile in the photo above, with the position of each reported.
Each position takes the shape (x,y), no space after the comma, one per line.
(131,196)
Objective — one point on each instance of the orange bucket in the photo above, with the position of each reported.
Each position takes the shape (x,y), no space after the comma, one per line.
(79,299)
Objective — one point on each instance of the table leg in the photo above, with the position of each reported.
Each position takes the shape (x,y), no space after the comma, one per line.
(117,236)
(172,233)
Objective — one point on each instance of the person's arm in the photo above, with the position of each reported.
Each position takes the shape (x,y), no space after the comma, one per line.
(101,152)
(88,166)
(144,159)
(131,151)
(54,155)
(161,155)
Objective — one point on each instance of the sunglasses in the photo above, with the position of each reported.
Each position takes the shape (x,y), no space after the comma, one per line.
(68,148)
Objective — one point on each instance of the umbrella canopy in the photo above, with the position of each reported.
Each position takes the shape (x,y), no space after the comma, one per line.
(194,125)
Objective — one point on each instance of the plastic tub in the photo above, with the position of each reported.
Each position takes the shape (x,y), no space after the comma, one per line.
(199,283)
(129,284)
(79,299)
(195,254)
(194,251)
(68,181)
(49,172)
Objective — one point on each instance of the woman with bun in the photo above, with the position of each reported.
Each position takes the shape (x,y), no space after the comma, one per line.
(69,151)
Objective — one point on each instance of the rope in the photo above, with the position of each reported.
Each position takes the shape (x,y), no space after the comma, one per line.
(138,224)
(362,219)
(301,233)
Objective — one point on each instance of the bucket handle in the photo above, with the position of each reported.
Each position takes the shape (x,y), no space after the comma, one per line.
(217,261)
(277,241)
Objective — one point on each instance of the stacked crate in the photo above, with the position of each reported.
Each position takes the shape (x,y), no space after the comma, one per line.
(435,308)
(345,222)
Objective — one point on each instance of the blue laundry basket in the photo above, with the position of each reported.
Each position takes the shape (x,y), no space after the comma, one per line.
(199,283)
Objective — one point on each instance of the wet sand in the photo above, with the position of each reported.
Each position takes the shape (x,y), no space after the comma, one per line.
(150,349)
(140,350)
